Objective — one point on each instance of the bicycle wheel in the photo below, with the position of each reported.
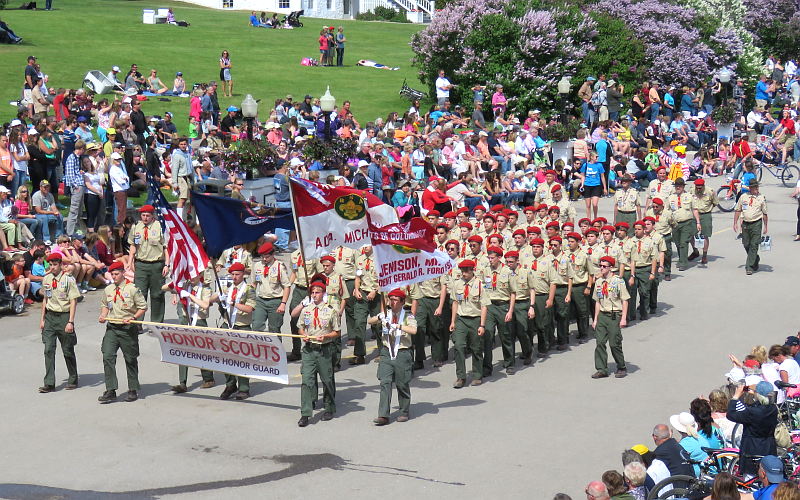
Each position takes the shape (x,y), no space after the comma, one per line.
(760,172)
(790,175)
(727,199)
(677,487)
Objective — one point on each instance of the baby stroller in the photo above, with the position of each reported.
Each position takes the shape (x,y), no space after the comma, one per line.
(293,19)
(9,301)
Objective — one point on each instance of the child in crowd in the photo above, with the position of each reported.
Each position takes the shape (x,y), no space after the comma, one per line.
(38,268)
(16,278)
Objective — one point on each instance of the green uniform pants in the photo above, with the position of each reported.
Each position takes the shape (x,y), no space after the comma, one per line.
(579,309)
(560,316)
(428,327)
(496,320)
(751,239)
(298,294)
(362,309)
(521,327)
(629,217)
(706,224)
(668,253)
(126,338)
(232,381)
(642,286)
(396,370)
(466,336)
(681,235)
(317,360)
(626,276)
(183,370)
(266,314)
(349,315)
(440,343)
(654,294)
(149,280)
(54,325)
(608,331)
(542,322)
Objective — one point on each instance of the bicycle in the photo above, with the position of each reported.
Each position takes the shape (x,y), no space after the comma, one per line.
(786,173)
(728,195)
(410,93)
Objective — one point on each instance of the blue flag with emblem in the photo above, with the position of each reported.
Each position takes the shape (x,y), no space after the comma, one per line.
(227,222)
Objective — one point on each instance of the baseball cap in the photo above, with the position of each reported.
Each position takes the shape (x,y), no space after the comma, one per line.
(4,189)
(773,468)
(233,108)
(116,156)
(115,68)
(792,341)
(15,122)
(362,163)
(179,73)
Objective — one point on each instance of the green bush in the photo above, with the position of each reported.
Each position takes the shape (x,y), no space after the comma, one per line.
(381,13)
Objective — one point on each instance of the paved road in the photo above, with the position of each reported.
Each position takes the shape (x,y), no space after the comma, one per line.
(549,428)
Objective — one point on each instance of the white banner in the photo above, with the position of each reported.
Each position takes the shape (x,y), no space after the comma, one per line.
(399,266)
(235,352)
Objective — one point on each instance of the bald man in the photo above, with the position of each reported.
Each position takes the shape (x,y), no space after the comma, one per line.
(596,490)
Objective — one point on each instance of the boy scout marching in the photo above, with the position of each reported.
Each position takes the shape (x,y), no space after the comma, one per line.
(520,280)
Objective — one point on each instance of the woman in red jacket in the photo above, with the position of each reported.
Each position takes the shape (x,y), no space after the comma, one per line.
(433,198)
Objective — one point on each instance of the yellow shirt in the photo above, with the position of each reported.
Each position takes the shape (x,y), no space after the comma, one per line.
(149,241)
(753,208)
(469,297)
(122,301)
(681,206)
(626,200)
(497,282)
(610,293)
(705,202)
(318,319)
(60,291)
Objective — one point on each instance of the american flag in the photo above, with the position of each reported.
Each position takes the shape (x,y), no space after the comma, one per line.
(187,258)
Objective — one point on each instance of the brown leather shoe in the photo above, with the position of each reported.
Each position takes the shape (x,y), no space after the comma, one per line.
(241,395)
(380,421)
(327,416)
(402,418)
(357,360)
(477,381)
(46,388)
(179,389)
(207,385)
(459,383)
(228,392)
(599,374)
(71,387)
(562,348)
(621,373)
(437,364)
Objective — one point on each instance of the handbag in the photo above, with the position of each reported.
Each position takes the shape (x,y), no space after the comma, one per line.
(783,438)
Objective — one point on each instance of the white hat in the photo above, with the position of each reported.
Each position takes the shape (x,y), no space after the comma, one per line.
(32,131)
(4,189)
(115,68)
(116,156)
(683,422)
(295,162)
(701,114)
(656,122)
(196,163)
(362,163)
(752,380)
(15,122)
(518,174)
(537,112)
(735,375)
(483,133)
(299,139)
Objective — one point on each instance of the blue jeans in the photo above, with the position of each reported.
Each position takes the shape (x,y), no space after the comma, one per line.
(796,152)
(613,116)
(471,203)
(585,110)
(668,112)
(515,198)
(505,163)
(654,109)
(33,225)
(282,234)
(19,179)
(45,221)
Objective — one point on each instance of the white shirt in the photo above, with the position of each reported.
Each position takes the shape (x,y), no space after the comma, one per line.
(520,147)
(791,67)
(21,150)
(753,118)
(119,178)
(658,471)
(791,367)
(458,152)
(441,87)
(457,192)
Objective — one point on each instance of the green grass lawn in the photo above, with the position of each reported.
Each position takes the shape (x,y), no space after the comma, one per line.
(83,35)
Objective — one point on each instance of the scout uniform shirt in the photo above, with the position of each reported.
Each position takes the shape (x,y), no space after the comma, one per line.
(705,202)
(481,260)
(610,292)
(345,262)
(626,200)
(582,265)
(659,189)
(470,297)
(562,267)
(753,207)
(624,254)
(612,249)
(431,288)
(566,212)
(520,282)
(194,311)
(543,194)
(449,279)
(525,253)
(542,274)
(59,290)
(643,251)
(301,277)
(318,319)
(396,339)
(658,241)
(664,222)
(122,301)
(336,291)
(497,283)
(239,294)
(681,206)
(365,269)
(233,255)
(270,280)
(149,241)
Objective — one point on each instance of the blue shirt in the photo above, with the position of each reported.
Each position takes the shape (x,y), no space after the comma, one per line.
(761,91)
(686,103)
(765,493)
(693,446)
(593,172)
(602,150)
(399,199)
(72,171)
(37,269)
(746,178)
(668,99)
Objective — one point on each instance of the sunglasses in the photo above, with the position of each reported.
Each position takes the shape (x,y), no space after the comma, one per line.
(605,265)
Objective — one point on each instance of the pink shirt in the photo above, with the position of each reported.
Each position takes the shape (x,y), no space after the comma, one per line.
(22,207)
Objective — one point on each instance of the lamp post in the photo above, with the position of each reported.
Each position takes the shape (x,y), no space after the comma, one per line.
(327,104)
(249,111)
(724,77)
(563,91)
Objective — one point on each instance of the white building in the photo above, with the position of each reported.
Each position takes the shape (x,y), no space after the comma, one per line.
(417,11)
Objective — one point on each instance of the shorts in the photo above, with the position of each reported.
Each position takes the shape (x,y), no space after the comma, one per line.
(35,287)
(788,140)
(183,188)
(706,228)
(592,191)
(27,98)
(225,74)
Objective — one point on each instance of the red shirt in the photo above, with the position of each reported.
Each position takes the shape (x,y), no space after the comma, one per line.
(431,198)
(788,125)
(61,110)
(741,149)
(323,42)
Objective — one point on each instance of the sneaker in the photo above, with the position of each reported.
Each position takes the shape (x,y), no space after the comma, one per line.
(28,301)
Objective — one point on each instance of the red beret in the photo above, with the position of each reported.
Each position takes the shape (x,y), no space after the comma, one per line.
(503,215)
(529,208)
(541,206)
(659,169)
(601,220)
(328,258)
(475,239)
(510,212)
(658,201)
(147,209)
(555,238)
(649,218)
(575,236)
(467,264)
(550,172)
(585,219)
(479,207)
(465,225)
(554,208)
(434,213)
(567,224)
(397,292)
(450,215)
(320,284)
(266,248)
(57,257)
(452,242)
(556,187)
(608,259)
(236,266)
(608,227)
(490,216)
(114,266)
(700,182)
(595,231)
(495,235)
(622,225)
(512,253)
(638,223)
(537,241)
(498,208)
(552,224)
(462,210)
(534,230)
(494,249)
(519,231)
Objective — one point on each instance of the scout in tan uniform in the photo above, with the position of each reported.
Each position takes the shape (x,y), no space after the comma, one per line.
(661,249)
(299,278)
(704,201)
(583,272)
(368,303)
(544,191)
(346,268)
(593,247)
(687,221)
(563,283)
(233,255)
(441,237)
(272,282)
(664,224)
(752,209)
(337,294)
(487,226)
(398,328)
(543,288)
(498,312)
(319,324)
(428,298)
(147,257)
(198,299)
(521,246)
(61,295)
(660,187)
(467,300)
(520,325)
(626,202)
(475,252)
(644,263)
(611,304)
(239,301)
(566,210)
(122,302)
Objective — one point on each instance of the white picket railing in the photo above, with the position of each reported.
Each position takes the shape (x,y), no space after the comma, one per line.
(408,5)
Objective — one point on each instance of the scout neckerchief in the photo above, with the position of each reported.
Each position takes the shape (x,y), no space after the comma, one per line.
(233,311)
(394,347)
(146,233)
(316,323)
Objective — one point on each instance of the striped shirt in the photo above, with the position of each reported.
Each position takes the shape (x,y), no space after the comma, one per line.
(72,171)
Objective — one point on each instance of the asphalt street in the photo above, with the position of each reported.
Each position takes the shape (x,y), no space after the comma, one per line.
(547,429)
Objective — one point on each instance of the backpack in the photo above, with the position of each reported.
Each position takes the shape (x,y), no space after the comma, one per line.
(596,100)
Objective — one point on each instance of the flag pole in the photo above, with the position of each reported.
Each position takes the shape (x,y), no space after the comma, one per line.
(222,311)
(299,237)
